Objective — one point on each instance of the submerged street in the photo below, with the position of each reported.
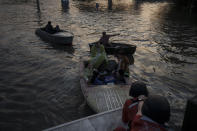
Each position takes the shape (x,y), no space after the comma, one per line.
(39,82)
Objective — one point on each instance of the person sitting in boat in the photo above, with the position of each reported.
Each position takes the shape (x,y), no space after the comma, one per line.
(130,107)
(57,28)
(123,67)
(98,55)
(49,28)
(152,114)
(98,58)
(104,40)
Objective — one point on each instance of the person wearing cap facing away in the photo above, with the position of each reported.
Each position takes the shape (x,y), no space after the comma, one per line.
(152,114)
(130,107)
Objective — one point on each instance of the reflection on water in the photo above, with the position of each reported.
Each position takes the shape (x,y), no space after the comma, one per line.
(39,82)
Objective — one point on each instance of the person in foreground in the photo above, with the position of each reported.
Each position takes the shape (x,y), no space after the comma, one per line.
(130,107)
(152,114)
(104,40)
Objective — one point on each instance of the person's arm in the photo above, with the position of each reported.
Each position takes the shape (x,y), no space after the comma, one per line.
(141,99)
(140,104)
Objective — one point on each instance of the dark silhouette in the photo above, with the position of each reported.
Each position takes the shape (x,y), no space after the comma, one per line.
(57,28)
(152,114)
(105,39)
(97,6)
(49,28)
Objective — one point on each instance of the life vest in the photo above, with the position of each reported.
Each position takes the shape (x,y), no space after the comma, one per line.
(130,109)
(143,123)
(98,56)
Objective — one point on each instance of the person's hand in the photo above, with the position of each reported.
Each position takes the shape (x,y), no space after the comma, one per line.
(142,97)
(140,104)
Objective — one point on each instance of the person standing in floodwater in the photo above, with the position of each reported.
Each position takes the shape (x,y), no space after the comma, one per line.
(97,6)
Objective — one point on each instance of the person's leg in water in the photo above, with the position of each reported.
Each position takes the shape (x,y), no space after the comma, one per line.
(121,76)
(95,74)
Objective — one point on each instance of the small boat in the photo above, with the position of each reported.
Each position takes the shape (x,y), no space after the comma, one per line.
(104,97)
(118,47)
(106,121)
(62,37)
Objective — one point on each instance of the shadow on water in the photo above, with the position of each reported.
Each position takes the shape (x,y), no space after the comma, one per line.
(39,15)
(38,5)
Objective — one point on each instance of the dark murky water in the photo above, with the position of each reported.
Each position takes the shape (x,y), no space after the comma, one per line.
(39,82)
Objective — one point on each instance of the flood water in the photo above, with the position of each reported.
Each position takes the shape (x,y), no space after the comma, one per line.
(39,82)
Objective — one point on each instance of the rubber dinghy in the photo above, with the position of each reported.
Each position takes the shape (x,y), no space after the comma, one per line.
(118,47)
(62,37)
(104,97)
